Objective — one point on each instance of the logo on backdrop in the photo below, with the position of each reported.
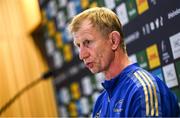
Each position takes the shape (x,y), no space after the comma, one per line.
(170,75)
(158,73)
(153,56)
(132,37)
(153,25)
(174,13)
(131,8)
(122,13)
(165,52)
(175,45)
(142,59)
(177,65)
(142,6)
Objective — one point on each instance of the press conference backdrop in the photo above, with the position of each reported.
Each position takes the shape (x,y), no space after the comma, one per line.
(152,35)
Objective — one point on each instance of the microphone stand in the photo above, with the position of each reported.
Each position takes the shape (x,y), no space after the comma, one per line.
(18,94)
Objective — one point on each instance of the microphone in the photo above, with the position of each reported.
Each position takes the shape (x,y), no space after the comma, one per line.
(44,76)
(51,73)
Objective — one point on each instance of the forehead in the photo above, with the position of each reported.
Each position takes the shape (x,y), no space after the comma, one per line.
(85,30)
(85,25)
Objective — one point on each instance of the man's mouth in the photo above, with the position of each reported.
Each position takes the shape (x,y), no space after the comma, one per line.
(89,65)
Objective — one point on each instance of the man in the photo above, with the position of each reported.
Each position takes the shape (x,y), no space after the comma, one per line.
(130,91)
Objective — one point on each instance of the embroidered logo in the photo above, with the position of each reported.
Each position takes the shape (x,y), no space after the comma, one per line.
(118,106)
(98,114)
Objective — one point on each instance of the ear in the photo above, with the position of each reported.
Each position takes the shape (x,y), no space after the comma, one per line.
(115,38)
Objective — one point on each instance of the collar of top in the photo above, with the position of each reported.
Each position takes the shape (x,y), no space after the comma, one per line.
(109,85)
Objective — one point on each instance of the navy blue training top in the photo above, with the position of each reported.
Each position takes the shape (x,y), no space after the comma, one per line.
(135,93)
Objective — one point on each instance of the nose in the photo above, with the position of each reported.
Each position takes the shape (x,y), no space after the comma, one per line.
(83,53)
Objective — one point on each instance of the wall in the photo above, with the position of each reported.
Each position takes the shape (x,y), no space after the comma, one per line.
(21,63)
(150,33)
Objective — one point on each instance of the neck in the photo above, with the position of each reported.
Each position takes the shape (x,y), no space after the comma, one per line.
(120,62)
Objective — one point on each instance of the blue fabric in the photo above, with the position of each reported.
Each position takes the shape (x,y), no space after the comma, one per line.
(135,93)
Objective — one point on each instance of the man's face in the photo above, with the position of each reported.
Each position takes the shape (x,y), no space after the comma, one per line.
(94,48)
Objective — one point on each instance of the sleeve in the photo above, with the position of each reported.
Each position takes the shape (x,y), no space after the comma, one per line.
(169,101)
(137,104)
(144,103)
(147,100)
(152,98)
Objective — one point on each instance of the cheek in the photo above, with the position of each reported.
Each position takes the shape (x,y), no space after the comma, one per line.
(105,57)
(102,53)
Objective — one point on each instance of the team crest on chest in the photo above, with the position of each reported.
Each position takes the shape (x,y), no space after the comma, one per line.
(118,106)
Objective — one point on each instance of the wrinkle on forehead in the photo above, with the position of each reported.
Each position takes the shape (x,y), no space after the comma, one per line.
(85,25)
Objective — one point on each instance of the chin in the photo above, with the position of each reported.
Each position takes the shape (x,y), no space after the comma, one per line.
(94,71)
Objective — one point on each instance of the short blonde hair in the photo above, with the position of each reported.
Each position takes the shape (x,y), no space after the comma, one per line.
(103,19)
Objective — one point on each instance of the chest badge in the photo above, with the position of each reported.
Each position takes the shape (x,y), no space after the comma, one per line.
(98,114)
(118,106)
